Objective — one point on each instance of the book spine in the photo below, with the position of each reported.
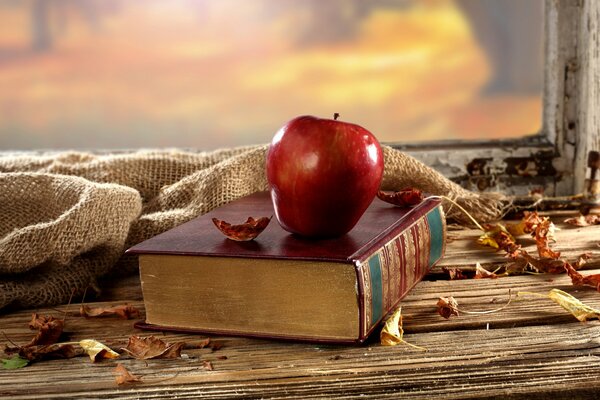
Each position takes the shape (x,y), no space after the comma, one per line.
(388,274)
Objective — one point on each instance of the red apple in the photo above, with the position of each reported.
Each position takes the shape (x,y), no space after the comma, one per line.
(322,174)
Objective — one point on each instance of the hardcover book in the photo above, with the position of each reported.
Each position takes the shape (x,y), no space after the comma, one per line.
(283,286)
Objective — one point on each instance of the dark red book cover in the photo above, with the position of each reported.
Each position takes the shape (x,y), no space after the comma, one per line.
(391,249)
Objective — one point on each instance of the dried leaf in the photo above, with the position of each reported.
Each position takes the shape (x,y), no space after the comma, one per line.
(144,348)
(497,237)
(49,329)
(51,351)
(403,198)
(243,232)
(214,346)
(124,377)
(207,365)
(579,310)
(543,265)
(542,232)
(392,332)
(482,273)
(97,350)
(581,280)
(570,303)
(123,311)
(447,307)
(15,362)
(584,220)
(457,273)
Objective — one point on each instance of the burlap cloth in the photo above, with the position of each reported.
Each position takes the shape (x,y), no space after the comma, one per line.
(66,218)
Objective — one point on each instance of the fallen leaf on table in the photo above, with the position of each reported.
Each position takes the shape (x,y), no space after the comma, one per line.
(582,280)
(403,198)
(97,350)
(49,329)
(242,232)
(124,377)
(214,346)
(482,273)
(497,237)
(14,362)
(56,350)
(584,220)
(124,311)
(447,307)
(144,348)
(570,303)
(544,232)
(392,332)
(543,265)
(457,273)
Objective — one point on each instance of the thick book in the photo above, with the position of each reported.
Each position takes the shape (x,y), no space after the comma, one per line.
(282,286)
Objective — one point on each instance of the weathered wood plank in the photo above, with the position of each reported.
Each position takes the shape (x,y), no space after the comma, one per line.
(532,349)
(458,364)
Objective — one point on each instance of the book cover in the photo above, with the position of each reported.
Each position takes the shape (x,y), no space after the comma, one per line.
(292,287)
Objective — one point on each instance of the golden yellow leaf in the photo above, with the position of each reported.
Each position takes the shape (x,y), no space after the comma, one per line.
(392,332)
(573,305)
(97,350)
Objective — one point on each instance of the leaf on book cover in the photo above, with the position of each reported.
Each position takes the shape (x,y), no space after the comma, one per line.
(570,303)
(145,348)
(124,311)
(14,362)
(243,232)
(49,329)
(392,332)
(584,220)
(96,350)
(124,377)
(403,198)
(447,307)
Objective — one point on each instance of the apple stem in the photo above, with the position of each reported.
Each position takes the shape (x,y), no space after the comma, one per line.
(336,116)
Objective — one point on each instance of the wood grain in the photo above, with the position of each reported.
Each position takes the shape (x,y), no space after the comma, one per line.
(531,349)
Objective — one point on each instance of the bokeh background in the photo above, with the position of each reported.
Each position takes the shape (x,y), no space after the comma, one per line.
(204,74)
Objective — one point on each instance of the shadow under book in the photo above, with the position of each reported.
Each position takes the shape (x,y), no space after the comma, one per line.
(282,286)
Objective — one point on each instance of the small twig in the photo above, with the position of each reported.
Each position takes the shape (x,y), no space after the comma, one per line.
(489,311)
(532,294)
(10,341)
(477,224)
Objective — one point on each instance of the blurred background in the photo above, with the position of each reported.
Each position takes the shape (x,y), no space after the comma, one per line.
(105,74)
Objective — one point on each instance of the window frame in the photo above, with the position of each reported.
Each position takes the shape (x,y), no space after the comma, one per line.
(556,157)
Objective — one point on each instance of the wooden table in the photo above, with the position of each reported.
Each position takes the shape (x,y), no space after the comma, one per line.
(531,349)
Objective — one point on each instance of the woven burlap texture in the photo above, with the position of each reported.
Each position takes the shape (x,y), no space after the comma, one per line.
(67,218)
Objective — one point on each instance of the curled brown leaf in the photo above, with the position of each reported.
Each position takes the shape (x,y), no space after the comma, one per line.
(145,348)
(578,279)
(447,307)
(124,377)
(51,351)
(407,197)
(482,273)
(124,311)
(242,232)
(49,329)
(584,220)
